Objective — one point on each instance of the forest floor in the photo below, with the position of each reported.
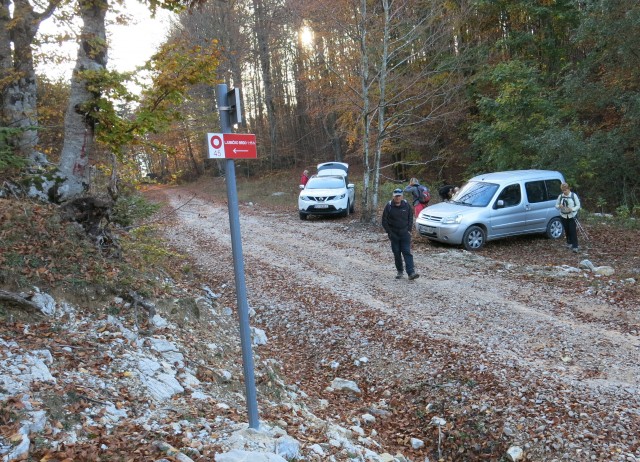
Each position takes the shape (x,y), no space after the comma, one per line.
(513,345)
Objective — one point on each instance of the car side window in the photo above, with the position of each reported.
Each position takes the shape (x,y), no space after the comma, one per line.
(511,195)
(536,191)
(553,189)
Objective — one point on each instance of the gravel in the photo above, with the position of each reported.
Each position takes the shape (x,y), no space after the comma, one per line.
(507,354)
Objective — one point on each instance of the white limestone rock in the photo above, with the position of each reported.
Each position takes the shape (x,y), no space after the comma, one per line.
(515,453)
(339,384)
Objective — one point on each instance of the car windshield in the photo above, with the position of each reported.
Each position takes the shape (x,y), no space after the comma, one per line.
(325,182)
(475,194)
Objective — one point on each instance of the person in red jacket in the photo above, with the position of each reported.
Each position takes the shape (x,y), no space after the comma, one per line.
(304,177)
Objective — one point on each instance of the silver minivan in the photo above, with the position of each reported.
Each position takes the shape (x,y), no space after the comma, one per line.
(496,205)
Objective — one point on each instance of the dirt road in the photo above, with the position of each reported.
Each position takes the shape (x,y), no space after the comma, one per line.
(507,353)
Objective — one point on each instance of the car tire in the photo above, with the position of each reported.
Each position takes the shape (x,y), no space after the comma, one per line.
(554,228)
(345,213)
(303,216)
(474,238)
(353,206)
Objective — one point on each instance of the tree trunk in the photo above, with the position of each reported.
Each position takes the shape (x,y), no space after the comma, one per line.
(262,35)
(368,211)
(78,122)
(19,96)
(381,135)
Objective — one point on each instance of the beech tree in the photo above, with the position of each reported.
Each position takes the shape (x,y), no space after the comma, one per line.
(85,97)
(19,24)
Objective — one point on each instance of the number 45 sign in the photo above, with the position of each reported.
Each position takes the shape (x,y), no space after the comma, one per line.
(232,146)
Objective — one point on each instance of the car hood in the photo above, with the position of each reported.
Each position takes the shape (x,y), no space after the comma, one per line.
(445,209)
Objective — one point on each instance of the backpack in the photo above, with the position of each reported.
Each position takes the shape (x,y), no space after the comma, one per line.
(573,198)
(424,196)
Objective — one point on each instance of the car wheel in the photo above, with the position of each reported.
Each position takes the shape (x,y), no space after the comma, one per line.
(353,207)
(474,238)
(345,213)
(554,228)
(303,216)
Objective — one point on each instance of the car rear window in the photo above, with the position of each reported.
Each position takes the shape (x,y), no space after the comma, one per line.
(536,191)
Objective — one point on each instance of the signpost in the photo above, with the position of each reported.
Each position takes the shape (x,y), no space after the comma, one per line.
(230,146)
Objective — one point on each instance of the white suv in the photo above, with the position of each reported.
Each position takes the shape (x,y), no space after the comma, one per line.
(328,192)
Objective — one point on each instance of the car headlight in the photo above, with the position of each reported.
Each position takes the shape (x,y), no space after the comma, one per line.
(341,196)
(452,220)
(305,198)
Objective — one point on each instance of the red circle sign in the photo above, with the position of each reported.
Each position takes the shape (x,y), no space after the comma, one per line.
(216,142)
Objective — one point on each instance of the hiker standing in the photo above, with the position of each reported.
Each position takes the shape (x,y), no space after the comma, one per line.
(568,203)
(397,220)
(420,194)
(304,178)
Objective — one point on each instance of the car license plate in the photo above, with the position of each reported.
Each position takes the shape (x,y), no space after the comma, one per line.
(427,229)
(322,206)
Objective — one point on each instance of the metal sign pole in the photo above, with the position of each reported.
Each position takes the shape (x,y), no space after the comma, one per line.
(238,267)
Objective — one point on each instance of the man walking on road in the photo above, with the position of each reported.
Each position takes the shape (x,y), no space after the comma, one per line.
(397,221)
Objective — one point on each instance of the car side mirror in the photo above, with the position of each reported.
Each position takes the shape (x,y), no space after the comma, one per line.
(351,186)
(500,204)
(301,186)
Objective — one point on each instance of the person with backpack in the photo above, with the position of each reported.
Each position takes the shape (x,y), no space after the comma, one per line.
(568,203)
(397,221)
(420,195)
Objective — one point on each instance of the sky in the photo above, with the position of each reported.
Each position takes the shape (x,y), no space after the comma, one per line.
(133,44)
(130,45)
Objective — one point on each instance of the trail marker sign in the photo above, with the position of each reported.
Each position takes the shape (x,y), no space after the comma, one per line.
(232,146)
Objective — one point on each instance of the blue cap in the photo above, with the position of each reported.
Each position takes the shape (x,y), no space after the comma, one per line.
(398,192)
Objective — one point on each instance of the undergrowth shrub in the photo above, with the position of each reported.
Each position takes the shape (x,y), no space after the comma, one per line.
(131,208)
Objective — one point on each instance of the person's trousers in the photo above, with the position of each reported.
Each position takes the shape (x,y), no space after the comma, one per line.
(401,248)
(570,231)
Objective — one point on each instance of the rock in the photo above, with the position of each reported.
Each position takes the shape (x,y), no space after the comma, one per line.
(368,418)
(604,271)
(339,384)
(288,447)
(416,443)
(515,453)
(224,376)
(159,322)
(586,264)
(45,302)
(258,336)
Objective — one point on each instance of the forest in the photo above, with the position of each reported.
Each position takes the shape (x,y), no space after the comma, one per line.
(436,89)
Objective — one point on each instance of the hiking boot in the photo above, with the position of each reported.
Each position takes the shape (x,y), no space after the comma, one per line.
(400,275)
(413,276)
(575,250)
(567,245)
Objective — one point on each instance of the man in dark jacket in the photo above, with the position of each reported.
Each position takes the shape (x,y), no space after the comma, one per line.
(397,221)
